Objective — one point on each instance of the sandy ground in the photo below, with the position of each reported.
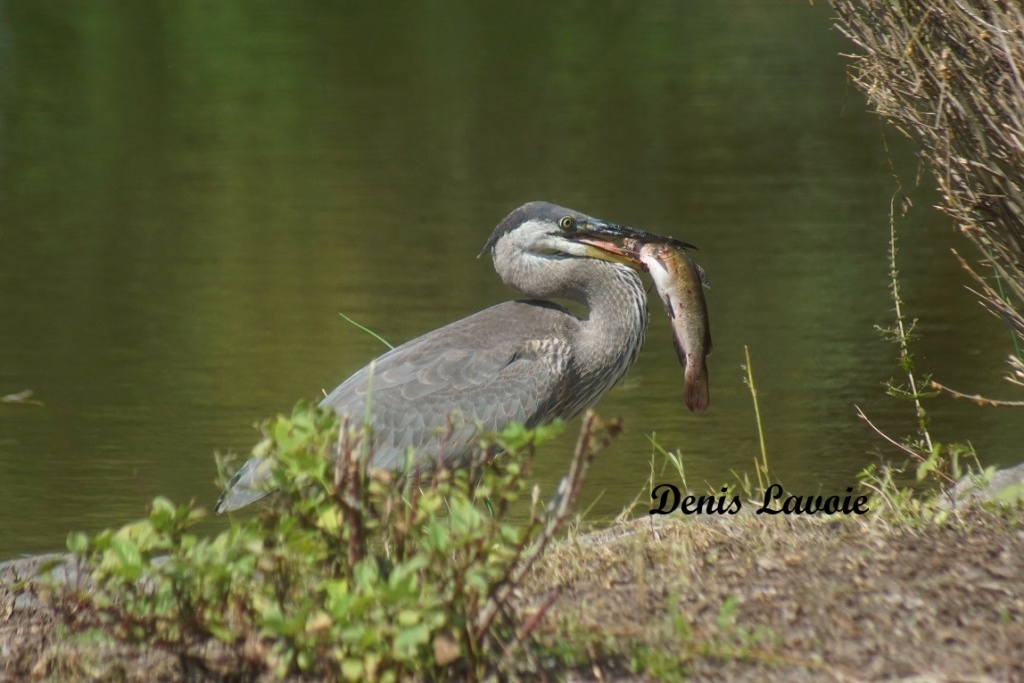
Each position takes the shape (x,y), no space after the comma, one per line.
(793,599)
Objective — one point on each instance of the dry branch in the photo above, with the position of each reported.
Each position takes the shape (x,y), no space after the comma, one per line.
(950,75)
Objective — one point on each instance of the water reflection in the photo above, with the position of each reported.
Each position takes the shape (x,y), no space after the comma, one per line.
(189,194)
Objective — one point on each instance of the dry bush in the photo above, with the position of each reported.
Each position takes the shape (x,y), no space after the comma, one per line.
(950,75)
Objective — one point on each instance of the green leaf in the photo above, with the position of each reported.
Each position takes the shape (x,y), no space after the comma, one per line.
(1014,493)
(221,632)
(928,466)
(549,431)
(408,640)
(408,617)
(128,557)
(282,434)
(727,612)
(78,543)
(162,514)
(438,535)
(329,519)
(352,669)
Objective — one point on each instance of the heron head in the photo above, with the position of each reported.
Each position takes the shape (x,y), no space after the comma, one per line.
(546,230)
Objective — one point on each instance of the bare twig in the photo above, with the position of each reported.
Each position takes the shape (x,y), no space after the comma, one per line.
(909,451)
(976,398)
(349,471)
(594,437)
(534,619)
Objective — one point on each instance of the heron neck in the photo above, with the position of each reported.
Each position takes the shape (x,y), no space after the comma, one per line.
(609,339)
(613,333)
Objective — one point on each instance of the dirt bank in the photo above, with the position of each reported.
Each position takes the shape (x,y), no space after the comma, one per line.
(748,599)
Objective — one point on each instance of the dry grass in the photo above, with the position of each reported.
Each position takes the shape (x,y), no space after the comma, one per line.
(950,75)
(794,599)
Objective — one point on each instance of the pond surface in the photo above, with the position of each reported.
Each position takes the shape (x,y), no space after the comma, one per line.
(191,193)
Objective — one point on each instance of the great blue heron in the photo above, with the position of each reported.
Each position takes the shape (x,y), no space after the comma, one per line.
(527,361)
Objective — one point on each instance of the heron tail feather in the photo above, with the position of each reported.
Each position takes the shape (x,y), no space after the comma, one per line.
(247,485)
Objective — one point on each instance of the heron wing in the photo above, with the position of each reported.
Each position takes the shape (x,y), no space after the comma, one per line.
(510,362)
(506,363)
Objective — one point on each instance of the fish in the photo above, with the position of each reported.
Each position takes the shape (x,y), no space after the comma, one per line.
(680,282)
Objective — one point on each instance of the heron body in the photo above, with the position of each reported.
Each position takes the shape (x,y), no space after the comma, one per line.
(528,361)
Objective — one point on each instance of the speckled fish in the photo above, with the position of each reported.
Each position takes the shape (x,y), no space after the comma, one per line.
(680,283)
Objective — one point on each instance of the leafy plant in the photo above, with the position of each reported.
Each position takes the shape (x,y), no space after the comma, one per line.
(349,572)
(941,463)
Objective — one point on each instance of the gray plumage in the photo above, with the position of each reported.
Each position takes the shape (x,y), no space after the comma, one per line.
(526,361)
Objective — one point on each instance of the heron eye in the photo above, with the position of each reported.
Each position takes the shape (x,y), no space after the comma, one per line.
(567,223)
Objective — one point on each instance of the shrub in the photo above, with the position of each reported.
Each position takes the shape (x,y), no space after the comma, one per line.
(348,572)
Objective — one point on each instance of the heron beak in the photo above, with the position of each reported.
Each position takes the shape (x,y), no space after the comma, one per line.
(620,243)
(615,231)
(606,250)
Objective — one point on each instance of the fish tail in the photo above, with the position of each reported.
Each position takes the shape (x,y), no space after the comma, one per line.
(695,388)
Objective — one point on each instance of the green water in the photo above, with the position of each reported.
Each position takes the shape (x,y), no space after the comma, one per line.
(191,192)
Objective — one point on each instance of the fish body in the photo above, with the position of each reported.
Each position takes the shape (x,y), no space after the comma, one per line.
(680,283)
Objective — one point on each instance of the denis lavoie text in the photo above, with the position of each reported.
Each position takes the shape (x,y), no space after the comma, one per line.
(668,499)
